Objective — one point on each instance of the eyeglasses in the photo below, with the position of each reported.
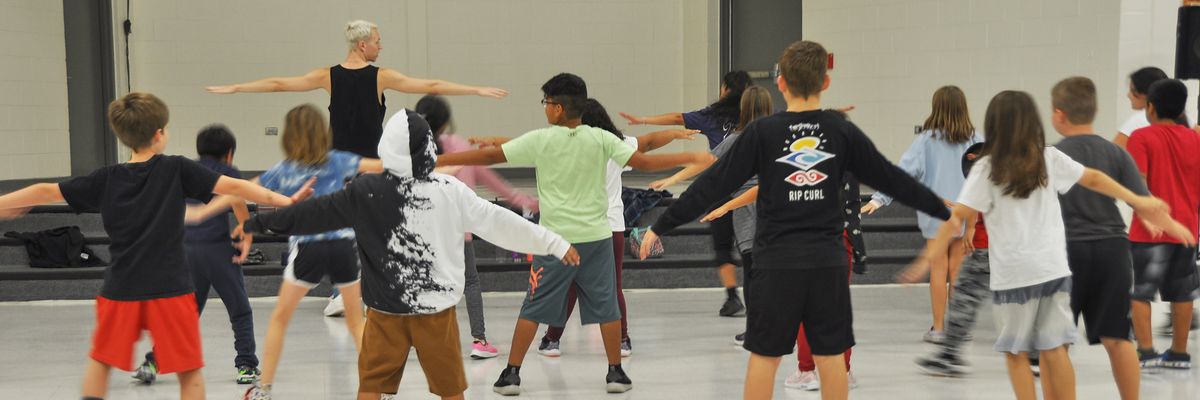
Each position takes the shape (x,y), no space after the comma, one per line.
(548,101)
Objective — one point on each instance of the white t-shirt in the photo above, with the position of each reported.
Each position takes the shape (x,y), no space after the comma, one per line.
(1138,121)
(616,208)
(1026,238)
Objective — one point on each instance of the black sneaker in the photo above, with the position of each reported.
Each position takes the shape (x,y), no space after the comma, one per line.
(740,339)
(549,348)
(247,375)
(1148,358)
(939,366)
(147,372)
(618,382)
(733,307)
(1173,360)
(509,383)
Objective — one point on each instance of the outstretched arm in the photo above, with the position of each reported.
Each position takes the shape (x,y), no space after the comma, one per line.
(395,80)
(17,203)
(643,162)
(508,230)
(661,119)
(938,245)
(689,170)
(370,166)
(485,156)
(322,214)
(1153,211)
(316,79)
(742,200)
(258,194)
(654,140)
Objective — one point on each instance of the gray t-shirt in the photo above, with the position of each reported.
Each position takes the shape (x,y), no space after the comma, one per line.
(1089,215)
(743,218)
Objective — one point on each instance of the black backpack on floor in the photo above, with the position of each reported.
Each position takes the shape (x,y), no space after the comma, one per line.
(61,247)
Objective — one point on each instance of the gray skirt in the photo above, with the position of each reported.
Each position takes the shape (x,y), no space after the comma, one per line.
(1036,317)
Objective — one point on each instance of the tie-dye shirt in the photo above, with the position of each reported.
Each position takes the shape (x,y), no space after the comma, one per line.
(287,176)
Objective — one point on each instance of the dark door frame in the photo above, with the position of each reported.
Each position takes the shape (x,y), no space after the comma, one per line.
(91,83)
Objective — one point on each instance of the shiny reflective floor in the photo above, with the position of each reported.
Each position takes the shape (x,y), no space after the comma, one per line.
(681,350)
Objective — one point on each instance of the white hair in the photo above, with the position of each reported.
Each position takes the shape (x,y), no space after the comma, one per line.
(358,31)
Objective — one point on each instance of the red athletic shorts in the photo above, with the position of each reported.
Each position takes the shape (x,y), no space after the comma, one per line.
(173,323)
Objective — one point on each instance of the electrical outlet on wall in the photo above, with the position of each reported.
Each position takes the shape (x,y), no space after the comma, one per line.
(272,131)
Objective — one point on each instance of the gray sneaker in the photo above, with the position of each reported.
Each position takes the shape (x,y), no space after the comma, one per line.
(147,372)
(626,347)
(258,392)
(549,348)
(934,337)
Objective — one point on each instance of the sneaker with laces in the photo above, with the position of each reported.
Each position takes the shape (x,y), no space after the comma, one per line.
(1148,358)
(803,380)
(733,307)
(247,374)
(549,348)
(509,383)
(335,308)
(617,381)
(481,349)
(626,347)
(739,340)
(258,392)
(1173,360)
(147,372)
(938,366)
(934,337)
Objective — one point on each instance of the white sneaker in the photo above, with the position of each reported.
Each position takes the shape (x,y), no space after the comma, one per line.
(335,308)
(853,383)
(803,380)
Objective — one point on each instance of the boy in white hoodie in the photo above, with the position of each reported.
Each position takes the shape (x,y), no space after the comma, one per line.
(409,223)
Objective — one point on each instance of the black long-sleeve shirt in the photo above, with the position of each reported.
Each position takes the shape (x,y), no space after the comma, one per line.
(800,159)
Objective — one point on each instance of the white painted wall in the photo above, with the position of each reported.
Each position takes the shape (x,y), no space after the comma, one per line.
(33,91)
(892,55)
(640,56)
(1147,39)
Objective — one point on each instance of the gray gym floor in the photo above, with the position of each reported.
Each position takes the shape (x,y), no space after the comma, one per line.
(682,350)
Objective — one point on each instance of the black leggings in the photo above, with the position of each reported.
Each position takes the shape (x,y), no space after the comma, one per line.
(722,237)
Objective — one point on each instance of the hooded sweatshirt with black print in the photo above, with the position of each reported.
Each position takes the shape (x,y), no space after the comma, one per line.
(409,222)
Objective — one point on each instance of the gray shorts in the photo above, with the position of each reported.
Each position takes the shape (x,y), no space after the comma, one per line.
(744,227)
(1034,317)
(594,278)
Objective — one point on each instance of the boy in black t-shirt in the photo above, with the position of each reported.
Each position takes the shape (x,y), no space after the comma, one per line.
(216,264)
(801,157)
(141,204)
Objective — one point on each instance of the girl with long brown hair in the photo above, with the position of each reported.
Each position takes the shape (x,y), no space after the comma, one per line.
(934,159)
(1016,185)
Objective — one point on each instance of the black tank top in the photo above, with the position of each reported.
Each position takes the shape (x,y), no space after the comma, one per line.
(355,115)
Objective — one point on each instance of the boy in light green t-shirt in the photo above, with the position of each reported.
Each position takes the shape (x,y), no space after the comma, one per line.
(570,160)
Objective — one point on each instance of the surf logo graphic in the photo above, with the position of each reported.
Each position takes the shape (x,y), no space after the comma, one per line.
(535,278)
(805,154)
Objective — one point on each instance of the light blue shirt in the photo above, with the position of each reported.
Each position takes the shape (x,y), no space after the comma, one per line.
(286,177)
(937,164)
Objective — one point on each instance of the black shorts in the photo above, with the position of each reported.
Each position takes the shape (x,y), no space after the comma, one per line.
(1167,269)
(310,261)
(779,300)
(1101,277)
